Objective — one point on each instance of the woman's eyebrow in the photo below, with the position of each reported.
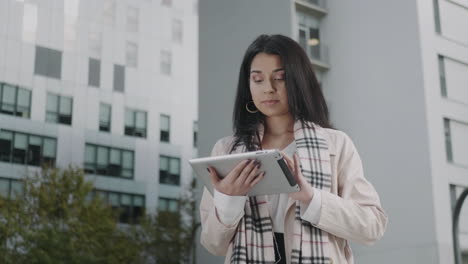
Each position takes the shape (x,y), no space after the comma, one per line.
(258,71)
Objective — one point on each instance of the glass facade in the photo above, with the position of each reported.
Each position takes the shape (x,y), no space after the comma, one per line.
(119,78)
(109,161)
(22,148)
(135,123)
(94,72)
(11,188)
(105,117)
(164,126)
(48,62)
(129,207)
(59,109)
(169,170)
(309,35)
(15,101)
(168,205)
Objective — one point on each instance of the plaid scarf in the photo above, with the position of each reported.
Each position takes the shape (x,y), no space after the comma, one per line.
(253,241)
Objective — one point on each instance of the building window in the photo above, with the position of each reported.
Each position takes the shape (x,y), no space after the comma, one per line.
(15,101)
(169,170)
(131,54)
(108,12)
(165,125)
(166,62)
(177,30)
(135,123)
(119,78)
(105,117)
(442,80)
(48,62)
(168,205)
(22,148)
(130,207)
(133,15)
(195,134)
(448,140)
(94,72)
(11,188)
(437,17)
(309,35)
(109,161)
(59,109)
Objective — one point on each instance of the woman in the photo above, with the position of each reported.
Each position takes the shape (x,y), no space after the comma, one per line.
(279,104)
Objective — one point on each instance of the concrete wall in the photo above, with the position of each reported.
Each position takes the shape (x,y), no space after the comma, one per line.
(226,29)
(375,88)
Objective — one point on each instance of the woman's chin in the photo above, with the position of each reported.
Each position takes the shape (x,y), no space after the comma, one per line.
(270,113)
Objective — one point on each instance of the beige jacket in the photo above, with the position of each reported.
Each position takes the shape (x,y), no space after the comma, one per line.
(352,210)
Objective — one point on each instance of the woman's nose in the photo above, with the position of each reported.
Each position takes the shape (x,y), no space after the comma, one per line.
(269,87)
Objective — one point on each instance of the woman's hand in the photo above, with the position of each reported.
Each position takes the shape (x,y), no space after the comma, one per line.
(240,180)
(306,193)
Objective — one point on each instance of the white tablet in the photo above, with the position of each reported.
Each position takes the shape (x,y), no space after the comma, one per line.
(278,178)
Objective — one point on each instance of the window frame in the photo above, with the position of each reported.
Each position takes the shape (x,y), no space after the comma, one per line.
(15,105)
(59,115)
(165,177)
(168,200)
(109,121)
(93,167)
(133,219)
(162,137)
(133,130)
(27,150)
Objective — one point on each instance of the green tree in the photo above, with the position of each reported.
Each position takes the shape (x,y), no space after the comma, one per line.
(56,220)
(168,237)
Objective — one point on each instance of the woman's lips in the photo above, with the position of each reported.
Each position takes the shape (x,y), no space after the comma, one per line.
(270,102)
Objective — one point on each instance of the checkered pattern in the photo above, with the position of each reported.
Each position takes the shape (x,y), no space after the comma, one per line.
(253,242)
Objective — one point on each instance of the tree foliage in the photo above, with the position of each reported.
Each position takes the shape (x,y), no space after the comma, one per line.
(168,237)
(56,221)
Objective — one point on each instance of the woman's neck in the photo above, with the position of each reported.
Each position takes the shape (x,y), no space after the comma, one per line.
(279,126)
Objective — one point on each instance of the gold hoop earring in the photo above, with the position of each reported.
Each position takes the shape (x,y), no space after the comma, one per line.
(248,110)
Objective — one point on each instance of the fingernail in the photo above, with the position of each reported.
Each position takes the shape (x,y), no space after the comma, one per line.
(208,169)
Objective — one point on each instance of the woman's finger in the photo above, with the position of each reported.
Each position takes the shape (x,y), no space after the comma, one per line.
(253,173)
(289,162)
(257,179)
(235,173)
(297,164)
(246,171)
(213,175)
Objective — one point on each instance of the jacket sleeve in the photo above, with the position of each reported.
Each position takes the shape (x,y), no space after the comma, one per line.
(215,235)
(355,213)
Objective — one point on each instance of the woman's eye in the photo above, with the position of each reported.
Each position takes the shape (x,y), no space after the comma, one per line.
(257,81)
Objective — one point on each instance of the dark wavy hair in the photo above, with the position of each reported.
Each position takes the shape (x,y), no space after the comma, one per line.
(305,98)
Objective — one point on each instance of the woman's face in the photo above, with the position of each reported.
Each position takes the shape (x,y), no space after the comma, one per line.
(267,85)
